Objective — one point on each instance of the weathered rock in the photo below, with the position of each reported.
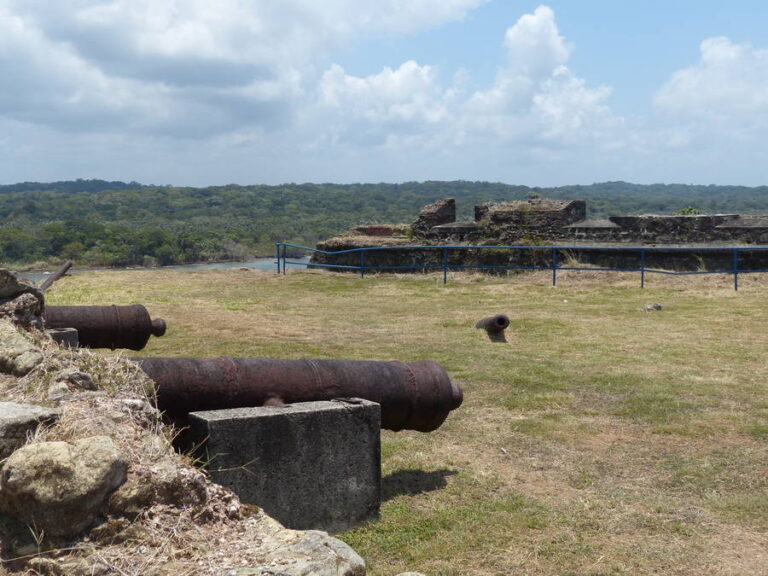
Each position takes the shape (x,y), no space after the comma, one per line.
(12,286)
(23,310)
(59,487)
(77,378)
(18,355)
(69,567)
(310,553)
(440,212)
(163,483)
(57,391)
(19,420)
(19,301)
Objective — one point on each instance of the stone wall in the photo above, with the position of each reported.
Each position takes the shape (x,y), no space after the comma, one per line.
(542,221)
(435,214)
(672,230)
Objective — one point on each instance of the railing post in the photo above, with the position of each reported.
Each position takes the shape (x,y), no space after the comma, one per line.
(736,269)
(285,257)
(277,256)
(554,266)
(643,259)
(362,263)
(445,265)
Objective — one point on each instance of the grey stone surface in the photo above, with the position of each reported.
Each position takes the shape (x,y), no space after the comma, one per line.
(18,420)
(77,378)
(20,301)
(65,336)
(310,553)
(18,355)
(57,391)
(11,286)
(59,487)
(435,214)
(313,465)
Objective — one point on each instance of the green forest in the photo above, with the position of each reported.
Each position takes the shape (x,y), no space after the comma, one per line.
(101,223)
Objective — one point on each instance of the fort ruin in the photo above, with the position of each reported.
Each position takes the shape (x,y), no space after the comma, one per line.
(546,222)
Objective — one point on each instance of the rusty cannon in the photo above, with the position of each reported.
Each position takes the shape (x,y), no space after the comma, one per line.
(106,326)
(413,396)
(494,324)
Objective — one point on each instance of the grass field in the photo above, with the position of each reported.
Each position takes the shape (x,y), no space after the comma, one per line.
(600,439)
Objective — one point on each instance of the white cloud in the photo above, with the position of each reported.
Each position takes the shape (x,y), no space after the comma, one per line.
(535,100)
(729,83)
(536,97)
(256,81)
(183,67)
(534,45)
(381,108)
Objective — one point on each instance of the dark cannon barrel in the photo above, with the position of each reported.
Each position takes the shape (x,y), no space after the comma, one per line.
(494,324)
(414,396)
(106,326)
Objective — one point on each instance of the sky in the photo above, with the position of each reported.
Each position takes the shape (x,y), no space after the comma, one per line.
(198,93)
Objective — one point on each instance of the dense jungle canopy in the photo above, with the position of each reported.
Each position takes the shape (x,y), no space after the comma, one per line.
(100,223)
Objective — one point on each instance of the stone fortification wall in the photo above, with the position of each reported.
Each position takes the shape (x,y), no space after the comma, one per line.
(672,230)
(542,221)
(536,218)
(435,214)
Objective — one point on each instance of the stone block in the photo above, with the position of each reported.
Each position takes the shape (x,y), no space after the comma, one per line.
(311,465)
(17,421)
(67,337)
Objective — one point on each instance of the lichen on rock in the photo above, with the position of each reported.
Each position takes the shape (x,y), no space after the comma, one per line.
(59,487)
(20,302)
(18,354)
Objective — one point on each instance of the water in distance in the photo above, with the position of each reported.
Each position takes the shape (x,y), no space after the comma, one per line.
(256,264)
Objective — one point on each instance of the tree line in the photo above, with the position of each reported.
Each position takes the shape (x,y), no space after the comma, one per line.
(102,223)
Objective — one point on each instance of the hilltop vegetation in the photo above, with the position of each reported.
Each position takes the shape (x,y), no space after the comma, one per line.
(102,223)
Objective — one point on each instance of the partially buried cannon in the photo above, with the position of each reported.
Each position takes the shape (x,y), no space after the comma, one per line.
(494,326)
(106,326)
(413,396)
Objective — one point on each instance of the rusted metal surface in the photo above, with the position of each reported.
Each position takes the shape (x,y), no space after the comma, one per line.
(106,326)
(415,396)
(494,324)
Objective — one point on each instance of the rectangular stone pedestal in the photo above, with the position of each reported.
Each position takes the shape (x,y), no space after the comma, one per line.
(313,465)
(65,337)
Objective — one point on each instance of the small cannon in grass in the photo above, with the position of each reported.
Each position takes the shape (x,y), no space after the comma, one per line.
(106,326)
(494,326)
(414,396)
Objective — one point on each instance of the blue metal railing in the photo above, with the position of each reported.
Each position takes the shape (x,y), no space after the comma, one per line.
(553,252)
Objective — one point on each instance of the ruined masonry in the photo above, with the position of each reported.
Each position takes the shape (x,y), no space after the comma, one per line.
(545,221)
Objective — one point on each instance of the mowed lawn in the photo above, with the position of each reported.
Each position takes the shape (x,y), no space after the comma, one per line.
(601,438)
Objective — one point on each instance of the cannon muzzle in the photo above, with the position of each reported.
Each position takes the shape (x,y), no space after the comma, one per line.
(106,326)
(494,324)
(414,396)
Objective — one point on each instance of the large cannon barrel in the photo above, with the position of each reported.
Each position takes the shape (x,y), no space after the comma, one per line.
(414,396)
(106,326)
